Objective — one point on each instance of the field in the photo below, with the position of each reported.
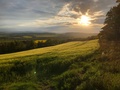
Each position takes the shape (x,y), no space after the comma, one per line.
(71,48)
(71,66)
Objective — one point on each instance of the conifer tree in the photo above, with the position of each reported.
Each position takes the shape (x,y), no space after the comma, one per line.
(111,30)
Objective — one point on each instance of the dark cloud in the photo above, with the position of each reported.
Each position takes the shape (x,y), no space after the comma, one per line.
(13,12)
(45,8)
(92,5)
(82,5)
(27,8)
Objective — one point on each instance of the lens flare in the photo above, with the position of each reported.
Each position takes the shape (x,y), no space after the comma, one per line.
(84,20)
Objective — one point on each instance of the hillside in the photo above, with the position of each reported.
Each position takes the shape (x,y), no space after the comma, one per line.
(70,66)
(41,68)
(77,48)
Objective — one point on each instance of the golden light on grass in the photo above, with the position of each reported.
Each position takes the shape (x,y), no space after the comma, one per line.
(84,20)
(63,50)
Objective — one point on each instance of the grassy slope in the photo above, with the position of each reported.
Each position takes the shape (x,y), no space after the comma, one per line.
(69,66)
(77,48)
(45,62)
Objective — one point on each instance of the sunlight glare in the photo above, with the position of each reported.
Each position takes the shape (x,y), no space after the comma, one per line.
(85,20)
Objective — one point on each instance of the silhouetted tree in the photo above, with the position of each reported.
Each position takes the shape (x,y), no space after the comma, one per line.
(109,37)
(111,30)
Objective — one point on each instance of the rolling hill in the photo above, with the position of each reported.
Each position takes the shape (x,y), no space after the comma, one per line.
(45,68)
(70,66)
(76,65)
(77,48)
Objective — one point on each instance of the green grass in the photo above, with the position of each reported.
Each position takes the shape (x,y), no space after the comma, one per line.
(71,48)
(70,66)
(43,66)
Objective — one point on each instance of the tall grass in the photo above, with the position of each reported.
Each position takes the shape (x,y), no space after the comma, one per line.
(69,66)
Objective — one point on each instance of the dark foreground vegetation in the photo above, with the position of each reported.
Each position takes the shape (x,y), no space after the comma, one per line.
(109,37)
(60,69)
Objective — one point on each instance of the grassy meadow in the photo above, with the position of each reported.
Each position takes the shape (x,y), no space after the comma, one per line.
(74,65)
(70,48)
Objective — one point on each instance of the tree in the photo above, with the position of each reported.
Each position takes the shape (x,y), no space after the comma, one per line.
(109,37)
(111,30)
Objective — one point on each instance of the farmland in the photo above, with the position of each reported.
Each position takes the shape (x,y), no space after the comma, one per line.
(70,66)
(44,65)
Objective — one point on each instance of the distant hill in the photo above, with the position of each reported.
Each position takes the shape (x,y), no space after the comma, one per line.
(46,35)
(78,35)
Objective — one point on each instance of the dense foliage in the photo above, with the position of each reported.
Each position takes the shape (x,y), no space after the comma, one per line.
(111,30)
(22,45)
(109,37)
(109,40)
(14,46)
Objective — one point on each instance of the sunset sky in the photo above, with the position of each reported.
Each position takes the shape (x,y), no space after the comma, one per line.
(53,15)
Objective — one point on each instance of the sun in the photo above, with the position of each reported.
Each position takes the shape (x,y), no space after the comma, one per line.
(85,20)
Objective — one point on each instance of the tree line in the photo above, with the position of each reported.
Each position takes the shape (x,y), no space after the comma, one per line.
(10,46)
(22,45)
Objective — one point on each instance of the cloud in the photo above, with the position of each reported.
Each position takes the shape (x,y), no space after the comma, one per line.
(51,13)
(96,9)
(27,9)
(95,0)
(55,21)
